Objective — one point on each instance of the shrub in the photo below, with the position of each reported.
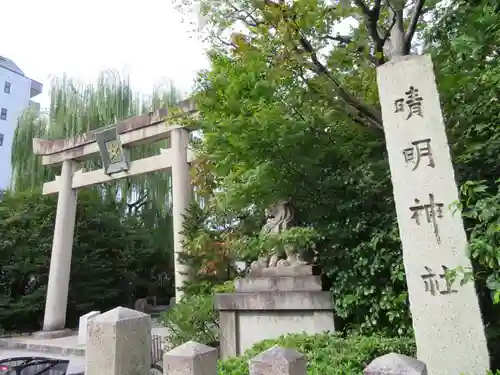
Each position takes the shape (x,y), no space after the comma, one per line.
(194,318)
(206,253)
(326,353)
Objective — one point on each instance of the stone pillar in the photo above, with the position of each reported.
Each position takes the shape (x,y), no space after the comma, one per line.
(447,322)
(278,361)
(395,364)
(62,247)
(119,343)
(191,358)
(181,198)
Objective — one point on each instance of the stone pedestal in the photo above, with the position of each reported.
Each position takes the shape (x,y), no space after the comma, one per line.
(272,302)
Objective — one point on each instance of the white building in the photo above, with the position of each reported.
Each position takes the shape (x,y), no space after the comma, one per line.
(16,91)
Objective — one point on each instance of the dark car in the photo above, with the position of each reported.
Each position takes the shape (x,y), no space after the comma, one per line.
(33,366)
(155,370)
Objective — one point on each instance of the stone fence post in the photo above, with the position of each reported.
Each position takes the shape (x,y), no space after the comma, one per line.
(119,343)
(191,358)
(278,361)
(83,324)
(395,364)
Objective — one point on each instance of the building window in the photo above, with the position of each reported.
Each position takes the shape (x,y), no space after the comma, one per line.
(3,114)
(1,139)
(6,88)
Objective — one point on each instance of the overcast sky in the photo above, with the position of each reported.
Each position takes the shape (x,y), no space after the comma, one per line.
(145,39)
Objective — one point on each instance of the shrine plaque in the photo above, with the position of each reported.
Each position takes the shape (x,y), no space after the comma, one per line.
(113,156)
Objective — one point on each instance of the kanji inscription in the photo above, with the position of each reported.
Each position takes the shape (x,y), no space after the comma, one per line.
(432,211)
(420,149)
(413,102)
(432,282)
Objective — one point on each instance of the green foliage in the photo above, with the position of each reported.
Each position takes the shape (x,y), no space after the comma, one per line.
(113,255)
(227,287)
(248,248)
(326,353)
(464,41)
(270,138)
(368,284)
(205,252)
(194,318)
(482,207)
(277,125)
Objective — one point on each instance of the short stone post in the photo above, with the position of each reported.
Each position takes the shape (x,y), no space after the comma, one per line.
(82,326)
(191,358)
(119,343)
(395,364)
(278,361)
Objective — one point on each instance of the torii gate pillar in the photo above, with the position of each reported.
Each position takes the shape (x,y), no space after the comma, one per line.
(62,249)
(181,195)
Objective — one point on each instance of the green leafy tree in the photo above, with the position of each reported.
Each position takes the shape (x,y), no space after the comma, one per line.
(278,124)
(464,44)
(290,111)
(112,256)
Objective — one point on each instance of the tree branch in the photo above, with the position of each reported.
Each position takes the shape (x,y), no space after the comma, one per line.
(371,114)
(388,32)
(363,6)
(342,39)
(244,18)
(371,17)
(417,11)
(359,109)
(228,44)
(135,206)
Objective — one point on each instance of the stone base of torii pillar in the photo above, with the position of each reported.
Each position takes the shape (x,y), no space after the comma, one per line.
(53,334)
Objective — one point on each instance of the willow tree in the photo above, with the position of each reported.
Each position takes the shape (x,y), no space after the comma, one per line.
(76,109)
(79,108)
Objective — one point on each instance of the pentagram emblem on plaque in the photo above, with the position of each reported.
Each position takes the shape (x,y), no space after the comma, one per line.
(114,151)
(113,157)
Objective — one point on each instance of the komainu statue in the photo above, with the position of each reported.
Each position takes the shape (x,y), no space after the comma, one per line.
(279,218)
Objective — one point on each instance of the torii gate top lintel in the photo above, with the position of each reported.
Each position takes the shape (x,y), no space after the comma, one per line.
(133,131)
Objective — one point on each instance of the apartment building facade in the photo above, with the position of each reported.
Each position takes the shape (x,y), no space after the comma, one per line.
(16,92)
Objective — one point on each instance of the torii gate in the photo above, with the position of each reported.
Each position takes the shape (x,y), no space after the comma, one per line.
(111,143)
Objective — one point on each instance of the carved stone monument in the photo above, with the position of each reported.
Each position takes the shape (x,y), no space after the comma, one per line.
(447,321)
(279,296)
